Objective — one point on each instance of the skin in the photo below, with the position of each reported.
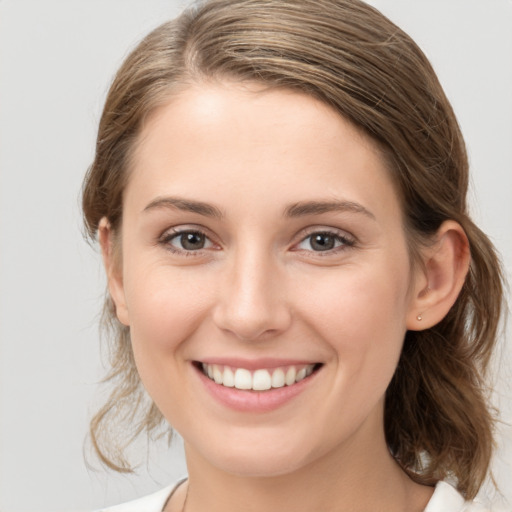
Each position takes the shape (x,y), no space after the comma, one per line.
(259,288)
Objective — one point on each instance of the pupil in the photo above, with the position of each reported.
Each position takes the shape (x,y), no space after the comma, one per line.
(192,241)
(322,242)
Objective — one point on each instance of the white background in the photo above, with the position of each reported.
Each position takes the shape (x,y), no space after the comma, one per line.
(56,61)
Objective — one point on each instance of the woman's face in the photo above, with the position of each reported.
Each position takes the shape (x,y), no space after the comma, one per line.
(262,242)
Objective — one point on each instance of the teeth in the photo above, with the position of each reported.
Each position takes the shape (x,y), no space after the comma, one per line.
(290,376)
(259,380)
(278,378)
(229,378)
(217,375)
(300,374)
(243,379)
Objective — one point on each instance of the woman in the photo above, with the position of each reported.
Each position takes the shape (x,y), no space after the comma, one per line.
(279,192)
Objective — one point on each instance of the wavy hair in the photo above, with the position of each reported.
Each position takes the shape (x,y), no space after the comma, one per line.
(438,421)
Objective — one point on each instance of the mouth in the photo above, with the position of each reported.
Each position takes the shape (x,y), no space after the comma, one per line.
(261,379)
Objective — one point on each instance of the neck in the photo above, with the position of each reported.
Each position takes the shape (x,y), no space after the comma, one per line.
(367,479)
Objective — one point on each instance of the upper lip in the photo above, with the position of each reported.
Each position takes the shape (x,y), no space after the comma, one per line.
(255,364)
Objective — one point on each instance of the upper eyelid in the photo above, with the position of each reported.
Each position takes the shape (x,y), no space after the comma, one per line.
(348,241)
(185,228)
(166,238)
(342,233)
(175,231)
(304,233)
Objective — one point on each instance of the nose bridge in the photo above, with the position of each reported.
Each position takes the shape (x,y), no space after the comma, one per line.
(252,301)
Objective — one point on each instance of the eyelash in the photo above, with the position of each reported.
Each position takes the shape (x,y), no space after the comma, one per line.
(174,234)
(343,240)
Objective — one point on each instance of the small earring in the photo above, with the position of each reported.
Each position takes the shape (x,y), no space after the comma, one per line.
(419,318)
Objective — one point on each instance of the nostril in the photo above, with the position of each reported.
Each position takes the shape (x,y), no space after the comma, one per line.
(254,324)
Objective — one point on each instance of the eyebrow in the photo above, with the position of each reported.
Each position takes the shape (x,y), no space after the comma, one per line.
(186,205)
(300,209)
(318,207)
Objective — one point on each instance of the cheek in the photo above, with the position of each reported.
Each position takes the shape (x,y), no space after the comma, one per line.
(359,299)
(361,314)
(165,307)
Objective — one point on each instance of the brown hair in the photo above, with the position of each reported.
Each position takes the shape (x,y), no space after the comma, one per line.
(438,422)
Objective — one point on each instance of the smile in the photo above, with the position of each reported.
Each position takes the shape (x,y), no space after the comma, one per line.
(258,380)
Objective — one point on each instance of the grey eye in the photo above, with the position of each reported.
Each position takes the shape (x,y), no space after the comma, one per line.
(189,241)
(322,241)
(192,241)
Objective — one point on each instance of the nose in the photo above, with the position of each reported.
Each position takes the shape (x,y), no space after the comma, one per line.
(252,303)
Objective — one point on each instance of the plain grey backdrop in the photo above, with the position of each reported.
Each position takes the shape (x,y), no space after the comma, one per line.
(57,58)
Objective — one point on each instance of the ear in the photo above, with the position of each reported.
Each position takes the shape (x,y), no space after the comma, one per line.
(437,286)
(113,269)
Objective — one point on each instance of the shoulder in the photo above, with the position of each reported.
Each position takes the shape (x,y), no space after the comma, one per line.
(152,503)
(447,499)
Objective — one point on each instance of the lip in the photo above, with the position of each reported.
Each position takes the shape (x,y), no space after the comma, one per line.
(254,401)
(256,364)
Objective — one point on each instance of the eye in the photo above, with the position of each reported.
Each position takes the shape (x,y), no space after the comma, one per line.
(186,241)
(324,241)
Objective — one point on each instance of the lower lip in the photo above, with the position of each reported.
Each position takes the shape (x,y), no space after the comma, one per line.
(255,401)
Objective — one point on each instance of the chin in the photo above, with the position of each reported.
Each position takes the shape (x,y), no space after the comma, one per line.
(259,467)
(255,460)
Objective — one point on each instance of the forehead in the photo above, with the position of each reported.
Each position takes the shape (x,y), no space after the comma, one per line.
(251,110)
(269,143)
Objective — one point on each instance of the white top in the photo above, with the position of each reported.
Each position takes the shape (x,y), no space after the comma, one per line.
(444,499)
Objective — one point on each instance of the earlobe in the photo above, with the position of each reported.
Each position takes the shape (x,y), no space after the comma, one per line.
(446,264)
(111,262)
